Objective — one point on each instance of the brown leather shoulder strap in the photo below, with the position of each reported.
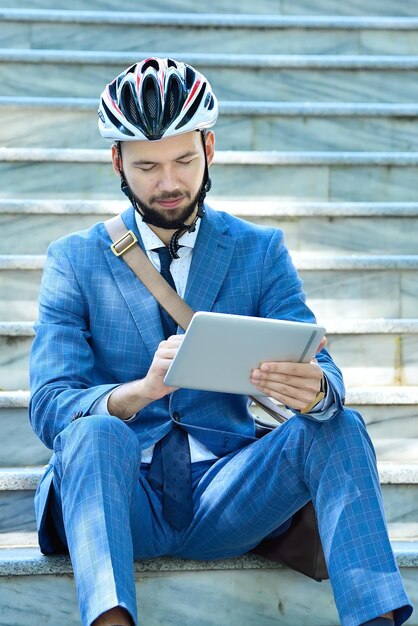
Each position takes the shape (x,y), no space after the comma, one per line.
(125,245)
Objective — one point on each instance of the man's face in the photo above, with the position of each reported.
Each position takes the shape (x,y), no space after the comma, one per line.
(166,176)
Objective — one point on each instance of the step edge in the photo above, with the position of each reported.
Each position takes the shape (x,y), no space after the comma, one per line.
(233,108)
(254,208)
(356,396)
(222,157)
(334,326)
(303,261)
(27,478)
(29,561)
(186,19)
(249,61)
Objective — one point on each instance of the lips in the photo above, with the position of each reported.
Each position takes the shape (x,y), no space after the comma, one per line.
(171,204)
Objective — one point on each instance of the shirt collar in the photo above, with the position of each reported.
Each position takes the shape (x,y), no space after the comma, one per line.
(152,241)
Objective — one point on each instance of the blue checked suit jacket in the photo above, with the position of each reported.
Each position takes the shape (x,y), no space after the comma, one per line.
(99,326)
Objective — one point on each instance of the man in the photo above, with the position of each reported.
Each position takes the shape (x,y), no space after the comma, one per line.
(99,401)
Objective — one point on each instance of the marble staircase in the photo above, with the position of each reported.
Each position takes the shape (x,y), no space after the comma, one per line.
(324,144)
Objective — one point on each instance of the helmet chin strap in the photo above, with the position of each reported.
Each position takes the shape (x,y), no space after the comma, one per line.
(173,244)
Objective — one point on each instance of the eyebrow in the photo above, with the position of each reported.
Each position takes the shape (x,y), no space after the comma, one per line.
(190,153)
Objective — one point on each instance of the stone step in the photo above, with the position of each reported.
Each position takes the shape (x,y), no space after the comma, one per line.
(187,32)
(29,539)
(345,78)
(350,327)
(399,481)
(293,126)
(251,591)
(351,286)
(383,352)
(284,7)
(301,176)
(244,208)
(381,228)
(389,412)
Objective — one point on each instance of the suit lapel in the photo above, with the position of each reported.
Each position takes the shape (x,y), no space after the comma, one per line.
(211,260)
(142,305)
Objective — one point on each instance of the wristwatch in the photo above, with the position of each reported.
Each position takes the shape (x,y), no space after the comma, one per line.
(319,396)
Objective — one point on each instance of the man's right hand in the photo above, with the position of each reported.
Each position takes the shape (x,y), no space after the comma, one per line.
(128,399)
(153,383)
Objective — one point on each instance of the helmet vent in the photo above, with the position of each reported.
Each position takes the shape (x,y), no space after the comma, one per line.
(129,105)
(173,98)
(171,63)
(150,99)
(190,77)
(150,63)
(190,113)
(209,102)
(114,120)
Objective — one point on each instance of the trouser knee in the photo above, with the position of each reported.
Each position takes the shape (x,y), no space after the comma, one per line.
(98,434)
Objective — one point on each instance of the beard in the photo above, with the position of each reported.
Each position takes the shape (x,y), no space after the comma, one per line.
(169,222)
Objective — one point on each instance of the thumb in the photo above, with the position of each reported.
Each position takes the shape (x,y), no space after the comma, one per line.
(323,343)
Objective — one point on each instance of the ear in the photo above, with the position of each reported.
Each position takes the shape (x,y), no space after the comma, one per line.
(210,146)
(116,162)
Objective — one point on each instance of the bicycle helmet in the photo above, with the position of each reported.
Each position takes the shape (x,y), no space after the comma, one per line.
(156,98)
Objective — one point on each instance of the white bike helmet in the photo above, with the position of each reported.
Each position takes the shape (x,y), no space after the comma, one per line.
(156,98)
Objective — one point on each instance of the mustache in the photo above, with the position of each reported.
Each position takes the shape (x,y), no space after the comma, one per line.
(166,197)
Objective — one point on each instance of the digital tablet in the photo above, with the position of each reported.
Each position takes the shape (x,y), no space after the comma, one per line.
(220,350)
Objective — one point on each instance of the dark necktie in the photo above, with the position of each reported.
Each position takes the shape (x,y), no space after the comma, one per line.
(169,325)
(170,469)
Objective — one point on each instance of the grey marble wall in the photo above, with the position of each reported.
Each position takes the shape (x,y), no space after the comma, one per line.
(393,429)
(19,291)
(351,7)
(74,80)
(166,6)
(32,233)
(17,512)
(365,359)
(355,183)
(346,294)
(245,598)
(362,294)
(19,446)
(78,129)
(285,7)
(56,36)
(389,422)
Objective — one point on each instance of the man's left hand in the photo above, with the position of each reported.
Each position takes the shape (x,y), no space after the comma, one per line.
(292,384)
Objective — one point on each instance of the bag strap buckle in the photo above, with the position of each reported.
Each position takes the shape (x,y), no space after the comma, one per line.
(125,243)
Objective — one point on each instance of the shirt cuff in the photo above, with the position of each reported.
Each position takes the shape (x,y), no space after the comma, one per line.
(100,406)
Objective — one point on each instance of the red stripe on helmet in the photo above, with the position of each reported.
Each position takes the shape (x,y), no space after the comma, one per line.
(138,80)
(113,103)
(192,93)
(161,76)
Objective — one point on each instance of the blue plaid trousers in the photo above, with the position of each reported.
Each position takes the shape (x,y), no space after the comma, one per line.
(108,515)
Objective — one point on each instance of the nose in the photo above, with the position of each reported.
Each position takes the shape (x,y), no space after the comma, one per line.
(168,181)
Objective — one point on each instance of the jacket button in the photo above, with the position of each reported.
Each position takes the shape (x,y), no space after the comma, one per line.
(176,416)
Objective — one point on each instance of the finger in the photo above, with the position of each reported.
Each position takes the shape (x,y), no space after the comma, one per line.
(289,370)
(173,340)
(304,395)
(323,343)
(295,402)
(309,382)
